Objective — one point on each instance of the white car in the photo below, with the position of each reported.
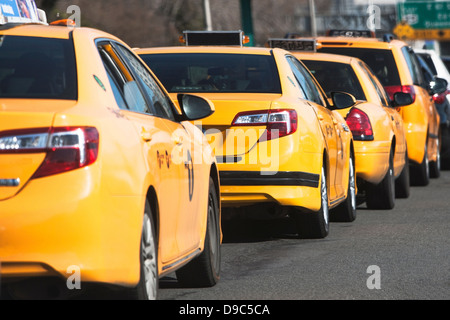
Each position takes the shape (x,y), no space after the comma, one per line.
(436,65)
(439,69)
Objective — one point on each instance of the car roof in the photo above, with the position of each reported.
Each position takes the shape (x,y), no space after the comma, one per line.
(37,30)
(49,31)
(360,42)
(429,51)
(206,49)
(324,57)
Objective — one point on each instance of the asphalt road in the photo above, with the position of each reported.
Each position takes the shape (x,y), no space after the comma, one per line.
(398,254)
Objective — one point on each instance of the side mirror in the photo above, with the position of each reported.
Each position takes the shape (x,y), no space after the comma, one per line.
(194,107)
(402,99)
(438,86)
(342,100)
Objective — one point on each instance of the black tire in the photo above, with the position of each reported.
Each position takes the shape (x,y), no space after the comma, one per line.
(435,166)
(148,286)
(204,270)
(314,225)
(382,196)
(346,211)
(420,174)
(402,183)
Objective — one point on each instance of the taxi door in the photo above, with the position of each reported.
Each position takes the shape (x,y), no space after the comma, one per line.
(193,204)
(137,99)
(181,171)
(328,123)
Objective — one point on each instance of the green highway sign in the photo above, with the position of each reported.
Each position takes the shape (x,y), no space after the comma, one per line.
(425,14)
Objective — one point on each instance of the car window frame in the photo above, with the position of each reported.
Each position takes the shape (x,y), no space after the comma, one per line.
(120,73)
(170,107)
(310,80)
(379,89)
(413,66)
(132,73)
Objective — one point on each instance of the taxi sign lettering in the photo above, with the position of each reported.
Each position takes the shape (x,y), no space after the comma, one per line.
(351,33)
(19,11)
(293,44)
(214,38)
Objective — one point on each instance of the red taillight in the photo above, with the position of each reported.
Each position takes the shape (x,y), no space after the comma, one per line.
(67,148)
(279,122)
(391,90)
(359,124)
(440,98)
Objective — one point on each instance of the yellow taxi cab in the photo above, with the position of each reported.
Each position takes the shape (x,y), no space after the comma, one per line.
(395,65)
(102,178)
(281,149)
(378,132)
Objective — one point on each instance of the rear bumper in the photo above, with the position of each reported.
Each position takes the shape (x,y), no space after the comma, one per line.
(257,178)
(299,189)
(279,171)
(372,160)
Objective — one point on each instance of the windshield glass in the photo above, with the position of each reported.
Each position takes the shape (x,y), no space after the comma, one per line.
(333,76)
(380,61)
(35,67)
(215,72)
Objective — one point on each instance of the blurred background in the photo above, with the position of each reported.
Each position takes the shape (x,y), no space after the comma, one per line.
(143,23)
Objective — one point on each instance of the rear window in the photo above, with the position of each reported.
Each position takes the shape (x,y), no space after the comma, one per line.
(215,72)
(333,76)
(381,62)
(37,68)
(429,61)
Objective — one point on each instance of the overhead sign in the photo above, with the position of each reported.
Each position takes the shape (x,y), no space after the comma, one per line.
(18,11)
(404,31)
(425,14)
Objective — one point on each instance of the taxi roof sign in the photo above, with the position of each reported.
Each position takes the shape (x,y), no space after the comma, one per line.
(293,44)
(214,38)
(20,11)
(351,33)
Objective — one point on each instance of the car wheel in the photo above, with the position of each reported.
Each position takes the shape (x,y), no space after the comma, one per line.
(382,195)
(204,270)
(402,183)
(148,286)
(435,166)
(420,174)
(346,211)
(314,225)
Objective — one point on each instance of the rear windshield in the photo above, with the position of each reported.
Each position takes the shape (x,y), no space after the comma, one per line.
(334,76)
(215,72)
(37,68)
(429,61)
(381,62)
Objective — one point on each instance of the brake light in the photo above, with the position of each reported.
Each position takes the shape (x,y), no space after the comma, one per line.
(279,122)
(67,148)
(391,90)
(440,98)
(359,124)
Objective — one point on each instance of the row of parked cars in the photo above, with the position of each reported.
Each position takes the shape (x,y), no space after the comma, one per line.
(116,164)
